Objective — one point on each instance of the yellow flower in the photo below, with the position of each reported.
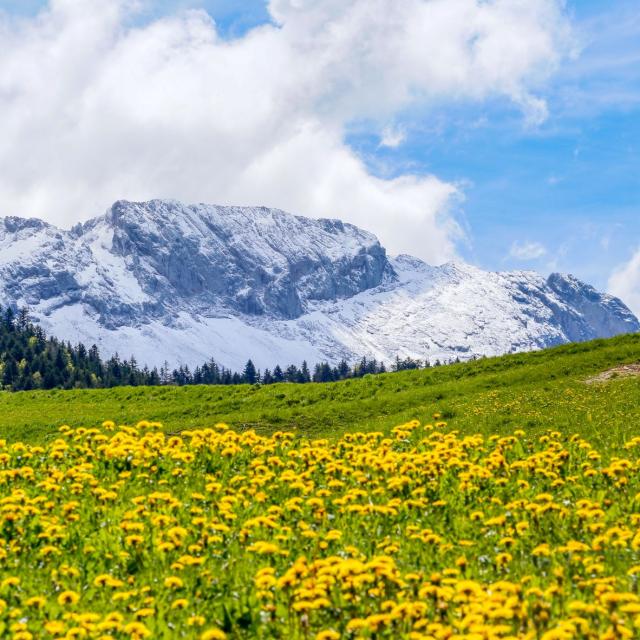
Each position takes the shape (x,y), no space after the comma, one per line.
(542,550)
(37,602)
(12,581)
(173,582)
(137,630)
(180,603)
(213,634)
(68,597)
(54,627)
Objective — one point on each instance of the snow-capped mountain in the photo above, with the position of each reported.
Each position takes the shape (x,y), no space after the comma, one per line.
(164,281)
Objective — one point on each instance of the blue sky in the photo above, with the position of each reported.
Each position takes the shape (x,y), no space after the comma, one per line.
(571,184)
(568,188)
(233,17)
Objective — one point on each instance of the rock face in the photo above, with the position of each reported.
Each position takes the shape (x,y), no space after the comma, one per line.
(253,261)
(594,314)
(165,281)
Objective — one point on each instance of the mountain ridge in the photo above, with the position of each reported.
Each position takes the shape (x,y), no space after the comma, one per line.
(167,281)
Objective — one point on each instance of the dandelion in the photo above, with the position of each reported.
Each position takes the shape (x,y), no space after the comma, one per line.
(11,581)
(36,602)
(68,598)
(180,603)
(213,634)
(137,630)
(173,582)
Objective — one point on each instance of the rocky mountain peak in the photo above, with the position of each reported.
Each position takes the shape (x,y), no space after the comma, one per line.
(13,224)
(256,261)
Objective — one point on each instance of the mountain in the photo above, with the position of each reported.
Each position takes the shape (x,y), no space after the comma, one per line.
(166,281)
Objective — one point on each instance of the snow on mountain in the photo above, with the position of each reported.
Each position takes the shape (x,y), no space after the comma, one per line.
(255,261)
(165,281)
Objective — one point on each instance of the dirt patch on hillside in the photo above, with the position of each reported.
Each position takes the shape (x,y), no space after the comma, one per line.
(623,371)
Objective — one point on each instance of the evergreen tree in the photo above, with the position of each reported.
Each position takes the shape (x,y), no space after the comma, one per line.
(23,319)
(304,375)
(9,320)
(249,375)
(292,374)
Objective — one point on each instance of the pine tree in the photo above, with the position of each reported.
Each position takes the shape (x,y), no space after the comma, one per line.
(9,319)
(278,376)
(22,322)
(164,373)
(343,370)
(291,373)
(249,375)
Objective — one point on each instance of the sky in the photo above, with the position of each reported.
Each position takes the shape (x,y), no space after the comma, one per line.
(501,132)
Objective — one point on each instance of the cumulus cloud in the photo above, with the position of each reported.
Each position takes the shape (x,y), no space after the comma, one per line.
(625,283)
(527,251)
(95,107)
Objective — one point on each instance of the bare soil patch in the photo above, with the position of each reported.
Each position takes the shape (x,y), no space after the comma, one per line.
(623,371)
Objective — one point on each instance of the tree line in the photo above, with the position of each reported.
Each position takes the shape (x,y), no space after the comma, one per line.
(29,359)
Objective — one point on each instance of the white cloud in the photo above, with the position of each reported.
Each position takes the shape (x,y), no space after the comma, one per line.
(527,251)
(625,283)
(392,136)
(93,109)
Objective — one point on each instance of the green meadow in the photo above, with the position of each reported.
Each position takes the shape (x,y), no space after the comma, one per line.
(534,391)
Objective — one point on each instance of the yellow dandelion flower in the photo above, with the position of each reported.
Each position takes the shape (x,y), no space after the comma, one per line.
(180,603)
(37,602)
(173,582)
(213,634)
(68,598)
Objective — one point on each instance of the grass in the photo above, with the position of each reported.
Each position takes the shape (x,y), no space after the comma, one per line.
(534,391)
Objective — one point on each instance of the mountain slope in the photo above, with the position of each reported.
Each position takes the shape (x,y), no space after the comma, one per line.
(165,281)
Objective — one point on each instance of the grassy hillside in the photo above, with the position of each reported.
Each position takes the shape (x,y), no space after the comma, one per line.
(432,532)
(534,391)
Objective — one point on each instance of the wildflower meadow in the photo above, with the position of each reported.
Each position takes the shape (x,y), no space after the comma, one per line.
(422,533)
